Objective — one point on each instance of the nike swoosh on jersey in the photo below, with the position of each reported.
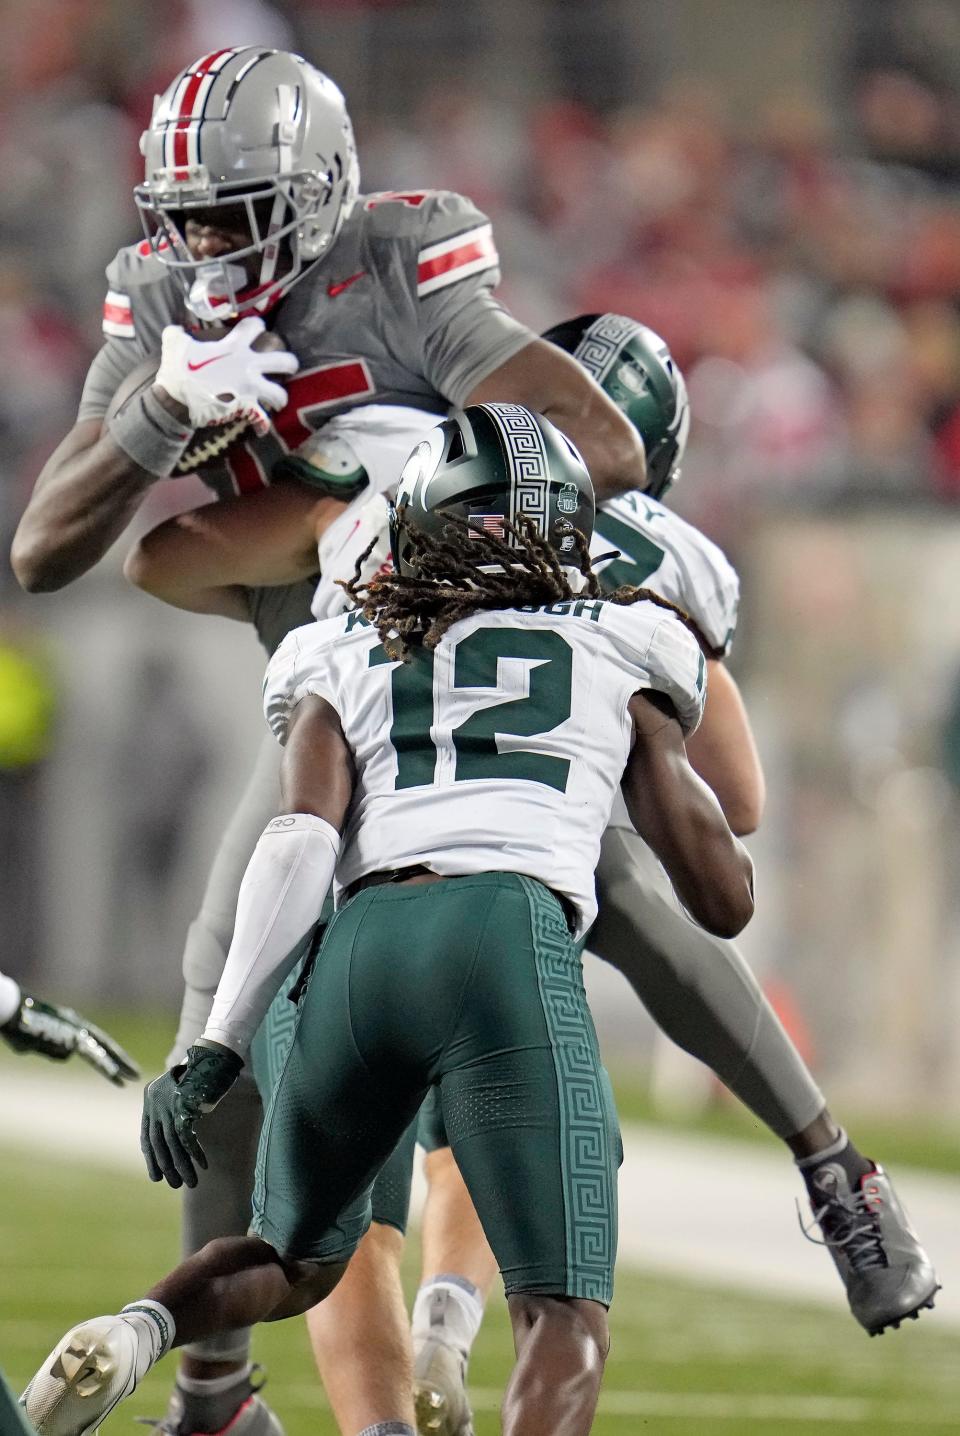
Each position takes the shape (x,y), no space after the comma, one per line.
(334,289)
(204,362)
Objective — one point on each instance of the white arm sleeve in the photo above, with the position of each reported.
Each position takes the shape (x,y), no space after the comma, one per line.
(9,998)
(280,900)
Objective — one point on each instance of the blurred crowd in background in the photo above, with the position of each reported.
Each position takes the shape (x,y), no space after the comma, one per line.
(803,259)
(774,185)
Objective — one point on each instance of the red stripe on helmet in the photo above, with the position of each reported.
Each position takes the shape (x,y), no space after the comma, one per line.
(185,116)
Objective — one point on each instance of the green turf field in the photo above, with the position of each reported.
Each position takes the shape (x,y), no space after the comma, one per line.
(685,1362)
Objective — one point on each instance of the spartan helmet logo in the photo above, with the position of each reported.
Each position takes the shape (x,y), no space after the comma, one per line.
(568,500)
(632,377)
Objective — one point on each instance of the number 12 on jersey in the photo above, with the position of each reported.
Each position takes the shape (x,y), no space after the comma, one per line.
(476,750)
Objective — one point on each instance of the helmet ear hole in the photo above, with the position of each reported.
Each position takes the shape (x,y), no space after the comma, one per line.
(457,448)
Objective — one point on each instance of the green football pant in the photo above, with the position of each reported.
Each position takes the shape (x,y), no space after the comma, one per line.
(390,1198)
(472,986)
(13,1418)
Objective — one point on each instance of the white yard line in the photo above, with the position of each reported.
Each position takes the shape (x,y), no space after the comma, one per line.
(715,1211)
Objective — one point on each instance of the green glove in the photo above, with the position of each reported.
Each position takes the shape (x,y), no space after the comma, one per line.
(172,1106)
(59,1032)
(327,465)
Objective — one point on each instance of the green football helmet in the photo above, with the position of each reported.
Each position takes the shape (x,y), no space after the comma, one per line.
(485,465)
(633,365)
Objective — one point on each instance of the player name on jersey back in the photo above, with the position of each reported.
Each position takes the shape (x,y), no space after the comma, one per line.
(500,750)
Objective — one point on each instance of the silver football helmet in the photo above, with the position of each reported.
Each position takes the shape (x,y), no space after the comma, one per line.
(268,135)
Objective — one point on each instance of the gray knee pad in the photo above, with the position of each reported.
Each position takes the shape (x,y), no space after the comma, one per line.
(698,988)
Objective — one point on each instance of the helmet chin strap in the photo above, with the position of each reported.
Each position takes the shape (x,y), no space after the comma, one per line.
(214,291)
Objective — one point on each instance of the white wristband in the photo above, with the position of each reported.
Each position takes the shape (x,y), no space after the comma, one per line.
(281,898)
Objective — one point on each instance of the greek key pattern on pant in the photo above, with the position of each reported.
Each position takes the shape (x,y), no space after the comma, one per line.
(587,1160)
(272,1042)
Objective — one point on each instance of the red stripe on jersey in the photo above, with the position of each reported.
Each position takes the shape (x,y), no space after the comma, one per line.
(186,108)
(320,388)
(117,313)
(482,248)
(245,469)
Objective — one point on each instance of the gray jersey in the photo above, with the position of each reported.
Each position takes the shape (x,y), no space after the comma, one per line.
(660,550)
(399,312)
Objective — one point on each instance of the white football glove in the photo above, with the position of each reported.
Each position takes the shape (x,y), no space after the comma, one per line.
(221,380)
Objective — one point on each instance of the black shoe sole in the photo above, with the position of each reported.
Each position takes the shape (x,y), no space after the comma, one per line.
(907,1315)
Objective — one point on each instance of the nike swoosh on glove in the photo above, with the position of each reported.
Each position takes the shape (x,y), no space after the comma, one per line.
(172,1107)
(221,380)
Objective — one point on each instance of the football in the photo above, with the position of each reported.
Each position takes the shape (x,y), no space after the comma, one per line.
(210,442)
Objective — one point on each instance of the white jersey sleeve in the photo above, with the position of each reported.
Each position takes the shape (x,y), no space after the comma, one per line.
(660,550)
(668,660)
(298,667)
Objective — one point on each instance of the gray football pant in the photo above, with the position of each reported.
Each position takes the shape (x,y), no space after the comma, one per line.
(219,1206)
(697,988)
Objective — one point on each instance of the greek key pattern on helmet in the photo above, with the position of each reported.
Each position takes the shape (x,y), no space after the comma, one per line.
(587,1135)
(527,459)
(601,343)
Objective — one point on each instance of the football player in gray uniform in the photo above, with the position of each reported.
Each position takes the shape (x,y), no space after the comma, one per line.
(451,962)
(254,217)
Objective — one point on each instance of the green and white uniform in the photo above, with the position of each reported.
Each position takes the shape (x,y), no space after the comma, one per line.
(496,758)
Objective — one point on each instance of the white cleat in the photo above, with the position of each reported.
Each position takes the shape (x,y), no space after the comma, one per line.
(439,1391)
(88,1374)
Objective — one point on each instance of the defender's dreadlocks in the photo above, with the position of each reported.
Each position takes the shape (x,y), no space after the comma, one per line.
(408,611)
